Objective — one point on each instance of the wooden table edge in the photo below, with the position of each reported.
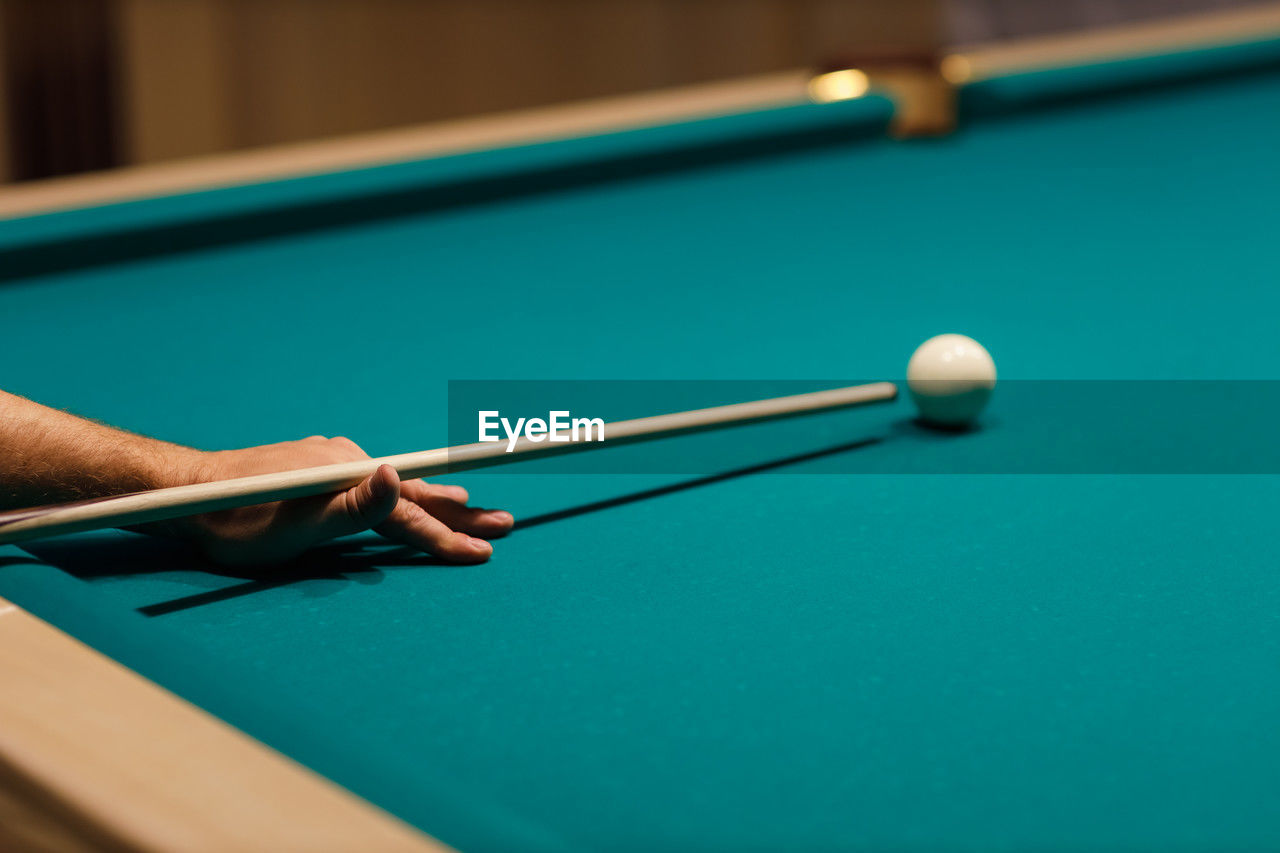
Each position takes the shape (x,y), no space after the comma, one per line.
(1120,41)
(541,124)
(967,63)
(95,757)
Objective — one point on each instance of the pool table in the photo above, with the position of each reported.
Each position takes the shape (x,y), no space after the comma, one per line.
(780,653)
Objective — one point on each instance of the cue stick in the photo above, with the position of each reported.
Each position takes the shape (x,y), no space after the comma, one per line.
(160,504)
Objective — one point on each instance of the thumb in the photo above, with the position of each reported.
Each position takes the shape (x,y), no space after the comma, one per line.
(364,506)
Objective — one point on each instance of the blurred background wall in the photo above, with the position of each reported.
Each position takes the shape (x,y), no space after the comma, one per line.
(91,84)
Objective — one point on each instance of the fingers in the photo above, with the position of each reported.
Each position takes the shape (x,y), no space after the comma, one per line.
(486,523)
(412,525)
(362,507)
(448,503)
(421,489)
(277,532)
(431,518)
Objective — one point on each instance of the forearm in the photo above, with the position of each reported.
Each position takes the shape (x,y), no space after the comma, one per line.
(49,456)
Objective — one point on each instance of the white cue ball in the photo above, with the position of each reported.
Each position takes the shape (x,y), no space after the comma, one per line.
(951,377)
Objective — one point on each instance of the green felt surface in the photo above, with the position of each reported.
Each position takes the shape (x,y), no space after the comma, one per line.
(788,659)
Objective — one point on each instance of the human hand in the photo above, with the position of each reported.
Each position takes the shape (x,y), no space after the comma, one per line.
(429,517)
